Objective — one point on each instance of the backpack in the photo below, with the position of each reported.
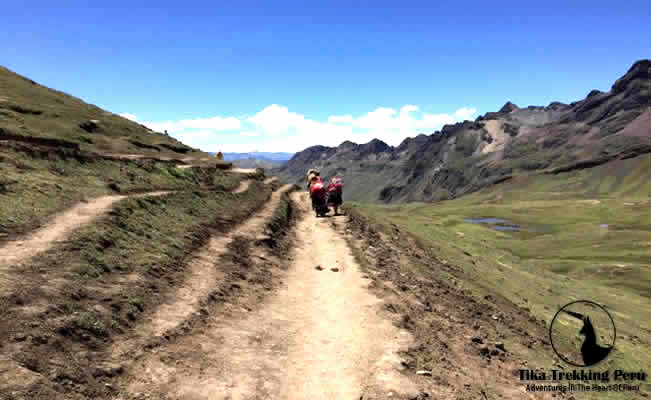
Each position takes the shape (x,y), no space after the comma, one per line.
(335,186)
(318,190)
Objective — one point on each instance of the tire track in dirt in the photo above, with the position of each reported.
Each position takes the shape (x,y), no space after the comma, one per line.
(58,229)
(320,336)
(61,226)
(202,277)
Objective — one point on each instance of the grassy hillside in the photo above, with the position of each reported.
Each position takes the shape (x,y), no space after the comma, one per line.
(97,281)
(28,109)
(56,150)
(584,235)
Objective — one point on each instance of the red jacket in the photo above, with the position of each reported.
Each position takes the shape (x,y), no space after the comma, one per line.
(335,187)
(317,189)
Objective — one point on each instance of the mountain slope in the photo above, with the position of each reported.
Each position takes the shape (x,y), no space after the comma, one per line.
(261,155)
(467,156)
(255,163)
(57,151)
(30,112)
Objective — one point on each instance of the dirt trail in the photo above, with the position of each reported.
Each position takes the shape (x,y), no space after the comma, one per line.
(64,223)
(21,250)
(243,170)
(270,180)
(243,187)
(202,278)
(320,336)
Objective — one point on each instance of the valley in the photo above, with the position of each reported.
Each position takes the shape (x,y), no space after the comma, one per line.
(135,267)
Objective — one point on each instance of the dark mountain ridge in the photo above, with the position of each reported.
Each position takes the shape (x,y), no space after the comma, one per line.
(469,155)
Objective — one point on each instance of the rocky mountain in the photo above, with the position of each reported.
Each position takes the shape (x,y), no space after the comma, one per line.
(497,146)
(255,163)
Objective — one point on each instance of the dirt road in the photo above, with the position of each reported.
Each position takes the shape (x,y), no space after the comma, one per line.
(201,279)
(320,336)
(60,227)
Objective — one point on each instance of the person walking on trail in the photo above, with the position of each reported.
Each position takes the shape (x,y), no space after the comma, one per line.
(311,174)
(319,196)
(335,194)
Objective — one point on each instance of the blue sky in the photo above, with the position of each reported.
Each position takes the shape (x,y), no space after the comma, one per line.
(283,75)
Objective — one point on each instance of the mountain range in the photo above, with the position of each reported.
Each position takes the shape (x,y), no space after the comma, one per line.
(272,157)
(497,146)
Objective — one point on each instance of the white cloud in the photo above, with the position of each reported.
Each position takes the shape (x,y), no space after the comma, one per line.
(128,116)
(407,109)
(161,126)
(381,118)
(465,113)
(276,128)
(276,120)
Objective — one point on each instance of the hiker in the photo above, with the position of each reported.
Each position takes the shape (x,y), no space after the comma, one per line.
(310,175)
(220,156)
(319,196)
(335,194)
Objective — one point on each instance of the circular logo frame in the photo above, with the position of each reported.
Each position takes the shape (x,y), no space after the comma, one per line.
(551,338)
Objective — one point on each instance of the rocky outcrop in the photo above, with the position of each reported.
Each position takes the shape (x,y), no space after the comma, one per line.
(508,107)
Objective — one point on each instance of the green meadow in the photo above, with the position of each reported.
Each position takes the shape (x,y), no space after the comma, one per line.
(583,235)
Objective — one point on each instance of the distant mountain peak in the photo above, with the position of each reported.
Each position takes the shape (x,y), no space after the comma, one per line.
(508,107)
(556,105)
(594,93)
(375,146)
(347,145)
(640,71)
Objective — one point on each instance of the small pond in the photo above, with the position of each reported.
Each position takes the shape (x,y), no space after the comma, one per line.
(504,225)
(498,224)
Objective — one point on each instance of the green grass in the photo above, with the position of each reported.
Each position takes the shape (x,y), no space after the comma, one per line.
(570,258)
(41,171)
(145,234)
(91,322)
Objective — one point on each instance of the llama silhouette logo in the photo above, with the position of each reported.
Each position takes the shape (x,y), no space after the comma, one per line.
(582,333)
